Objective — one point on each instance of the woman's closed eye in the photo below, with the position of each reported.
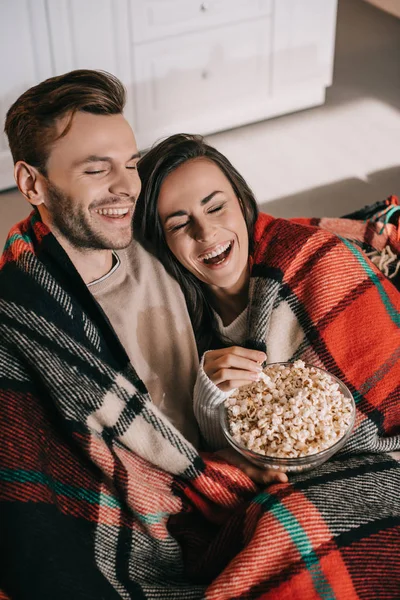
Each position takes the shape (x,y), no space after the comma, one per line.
(214,209)
(178,226)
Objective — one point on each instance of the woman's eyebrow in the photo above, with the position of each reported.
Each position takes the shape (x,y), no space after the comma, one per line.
(210,197)
(182,213)
(178,213)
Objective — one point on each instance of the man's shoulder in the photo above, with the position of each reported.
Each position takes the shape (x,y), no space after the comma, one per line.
(24,239)
(32,276)
(142,261)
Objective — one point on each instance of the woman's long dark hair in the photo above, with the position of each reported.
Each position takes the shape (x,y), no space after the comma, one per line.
(153,168)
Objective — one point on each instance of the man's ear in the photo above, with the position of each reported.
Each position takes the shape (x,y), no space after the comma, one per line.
(30,182)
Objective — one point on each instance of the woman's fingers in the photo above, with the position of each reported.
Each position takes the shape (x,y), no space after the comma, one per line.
(239,351)
(232,367)
(233,379)
(260,476)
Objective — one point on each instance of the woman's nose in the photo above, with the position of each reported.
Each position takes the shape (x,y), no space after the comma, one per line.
(204,232)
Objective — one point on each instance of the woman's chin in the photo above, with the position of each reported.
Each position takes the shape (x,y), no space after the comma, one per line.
(225,281)
(233,279)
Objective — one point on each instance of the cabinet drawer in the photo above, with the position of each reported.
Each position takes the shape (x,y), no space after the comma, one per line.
(181,80)
(156,19)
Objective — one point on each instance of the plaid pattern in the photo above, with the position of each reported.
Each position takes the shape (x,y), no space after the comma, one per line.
(375,229)
(101,498)
(350,327)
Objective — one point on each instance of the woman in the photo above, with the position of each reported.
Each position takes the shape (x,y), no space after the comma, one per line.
(260,288)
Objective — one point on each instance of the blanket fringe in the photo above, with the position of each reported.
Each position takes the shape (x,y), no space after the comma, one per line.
(386,261)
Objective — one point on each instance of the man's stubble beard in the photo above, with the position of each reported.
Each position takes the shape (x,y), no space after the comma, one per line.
(73,224)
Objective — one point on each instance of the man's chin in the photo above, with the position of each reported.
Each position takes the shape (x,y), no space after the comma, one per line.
(121,245)
(116,241)
(123,241)
(98,244)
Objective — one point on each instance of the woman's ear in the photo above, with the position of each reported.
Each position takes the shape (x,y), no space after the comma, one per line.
(30,182)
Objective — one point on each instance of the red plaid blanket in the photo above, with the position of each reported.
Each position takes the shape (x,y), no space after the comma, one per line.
(101,498)
(375,229)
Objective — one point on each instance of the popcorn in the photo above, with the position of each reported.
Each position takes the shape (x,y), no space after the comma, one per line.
(290,412)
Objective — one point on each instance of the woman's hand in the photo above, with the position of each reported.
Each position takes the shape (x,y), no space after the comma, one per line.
(260,476)
(229,368)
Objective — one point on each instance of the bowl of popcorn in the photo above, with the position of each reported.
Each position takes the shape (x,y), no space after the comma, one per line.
(293,419)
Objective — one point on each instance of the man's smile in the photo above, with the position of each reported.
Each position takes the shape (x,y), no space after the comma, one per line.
(114,213)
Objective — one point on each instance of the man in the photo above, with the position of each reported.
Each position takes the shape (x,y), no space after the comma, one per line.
(75,161)
(66,374)
(101,496)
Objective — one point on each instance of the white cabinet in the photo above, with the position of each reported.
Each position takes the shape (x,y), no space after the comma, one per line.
(92,34)
(303,44)
(203,81)
(24,61)
(156,19)
(205,66)
(188,65)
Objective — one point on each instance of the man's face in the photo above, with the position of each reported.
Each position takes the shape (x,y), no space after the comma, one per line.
(92,182)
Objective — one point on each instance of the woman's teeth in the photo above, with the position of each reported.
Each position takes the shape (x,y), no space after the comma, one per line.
(217,255)
(110,212)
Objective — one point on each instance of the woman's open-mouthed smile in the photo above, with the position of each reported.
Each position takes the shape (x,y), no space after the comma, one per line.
(218,255)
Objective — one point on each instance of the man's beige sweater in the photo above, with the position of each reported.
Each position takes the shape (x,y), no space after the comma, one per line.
(147,309)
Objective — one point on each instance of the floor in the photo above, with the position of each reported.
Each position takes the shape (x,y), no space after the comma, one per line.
(327,160)
(344,154)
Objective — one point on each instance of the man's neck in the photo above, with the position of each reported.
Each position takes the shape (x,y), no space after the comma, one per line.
(90,264)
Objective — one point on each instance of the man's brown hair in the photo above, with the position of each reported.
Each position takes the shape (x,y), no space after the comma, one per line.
(30,122)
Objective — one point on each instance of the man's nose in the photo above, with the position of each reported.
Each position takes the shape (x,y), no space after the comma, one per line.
(126,183)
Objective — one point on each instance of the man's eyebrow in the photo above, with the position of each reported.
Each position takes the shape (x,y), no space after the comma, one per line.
(182,213)
(95,158)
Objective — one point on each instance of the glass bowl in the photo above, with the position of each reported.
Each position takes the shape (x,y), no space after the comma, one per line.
(302,463)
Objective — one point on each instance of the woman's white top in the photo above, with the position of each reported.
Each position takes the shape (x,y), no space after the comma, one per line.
(207,396)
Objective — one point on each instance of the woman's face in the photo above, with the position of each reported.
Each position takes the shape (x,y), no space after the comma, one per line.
(204,224)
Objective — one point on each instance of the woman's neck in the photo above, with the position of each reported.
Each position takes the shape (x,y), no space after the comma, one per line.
(229,303)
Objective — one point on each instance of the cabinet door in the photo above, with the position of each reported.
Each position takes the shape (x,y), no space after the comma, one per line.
(201,82)
(303,44)
(155,19)
(25,60)
(92,34)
